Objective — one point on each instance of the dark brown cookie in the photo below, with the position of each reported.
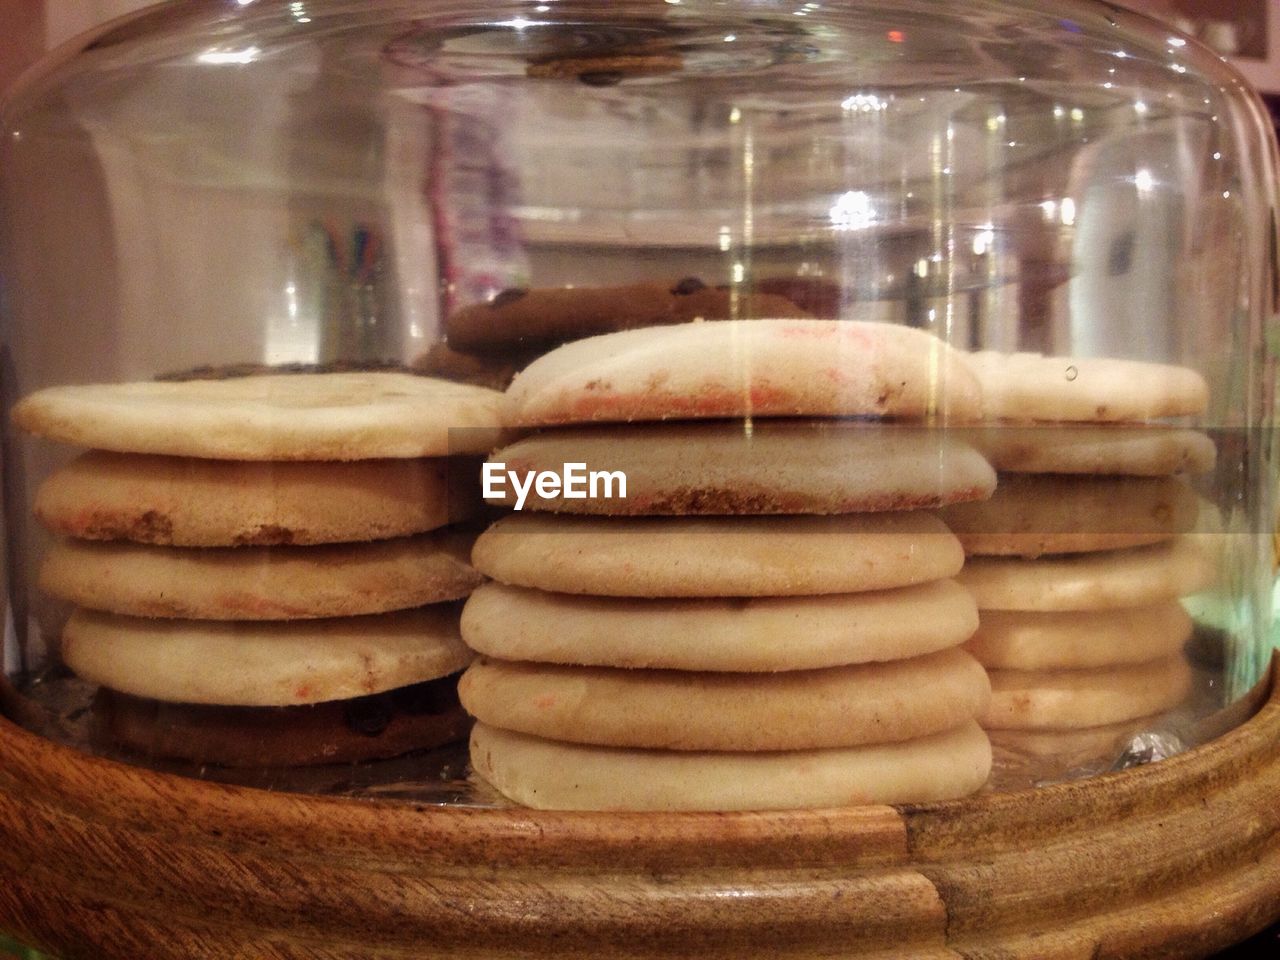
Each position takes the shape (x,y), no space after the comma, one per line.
(605,71)
(418,717)
(541,319)
(820,297)
(495,371)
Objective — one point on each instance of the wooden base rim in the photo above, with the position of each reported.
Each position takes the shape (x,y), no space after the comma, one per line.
(108,861)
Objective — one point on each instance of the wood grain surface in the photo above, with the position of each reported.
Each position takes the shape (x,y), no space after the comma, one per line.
(108,861)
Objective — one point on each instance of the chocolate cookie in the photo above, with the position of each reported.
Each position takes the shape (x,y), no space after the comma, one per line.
(495,371)
(378,727)
(541,319)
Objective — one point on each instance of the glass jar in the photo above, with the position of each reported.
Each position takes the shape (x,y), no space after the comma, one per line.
(861,304)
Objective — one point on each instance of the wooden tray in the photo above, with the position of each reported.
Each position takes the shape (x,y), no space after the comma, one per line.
(101,860)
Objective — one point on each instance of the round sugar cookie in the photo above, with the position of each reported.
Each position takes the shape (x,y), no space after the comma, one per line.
(758,634)
(261,583)
(1030,386)
(1035,514)
(186,502)
(550,775)
(1136,450)
(519,319)
(1090,581)
(1066,748)
(791,466)
(717,557)
(264,664)
(739,368)
(1078,639)
(687,710)
(300,416)
(377,727)
(1073,699)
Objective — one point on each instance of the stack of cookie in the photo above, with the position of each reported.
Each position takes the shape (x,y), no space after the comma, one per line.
(1080,559)
(489,343)
(261,566)
(766,619)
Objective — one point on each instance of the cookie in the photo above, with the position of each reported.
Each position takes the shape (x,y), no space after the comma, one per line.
(1065,748)
(264,664)
(304,416)
(495,372)
(1034,514)
(1091,581)
(819,296)
(1077,639)
(376,727)
(261,583)
(762,634)
(791,466)
(232,371)
(719,557)
(683,710)
(1112,449)
(185,502)
(1076,699)
(519,319)
(740,368)
(1029,386)
(548,775)
(604,71)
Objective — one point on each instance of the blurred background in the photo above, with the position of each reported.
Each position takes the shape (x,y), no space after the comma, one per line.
(1246,32)
(30,27)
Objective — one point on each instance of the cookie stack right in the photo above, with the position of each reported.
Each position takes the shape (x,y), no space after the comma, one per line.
(767,619)
(1079,561)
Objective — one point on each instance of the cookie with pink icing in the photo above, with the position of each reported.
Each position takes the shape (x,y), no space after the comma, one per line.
(747,368)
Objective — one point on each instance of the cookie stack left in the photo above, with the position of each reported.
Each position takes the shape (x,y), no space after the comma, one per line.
(263,568)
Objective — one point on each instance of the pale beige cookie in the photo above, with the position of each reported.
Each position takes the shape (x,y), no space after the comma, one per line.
(1065,747)
(717,557)
(790,466)
(737,368)
(548,775)
(302,416)
(1073,699)
(1077,639)
(1090,581)
(182,501)
(1035,514)
(761,634)
(685,710)
(1029,386)
(261,583)
(1107,449)
(264,664)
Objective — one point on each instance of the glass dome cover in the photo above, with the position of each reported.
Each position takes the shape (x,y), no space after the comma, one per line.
(800,231)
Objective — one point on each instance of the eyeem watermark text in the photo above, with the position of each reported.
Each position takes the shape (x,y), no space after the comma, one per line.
(573,482)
